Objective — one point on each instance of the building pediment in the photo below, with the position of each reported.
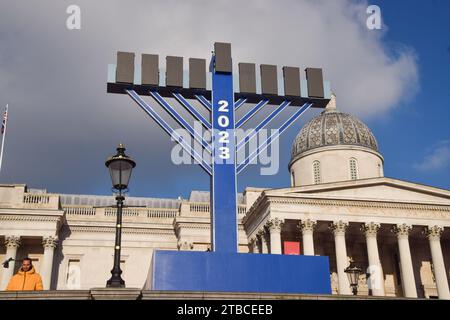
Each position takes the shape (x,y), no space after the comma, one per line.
(376,189)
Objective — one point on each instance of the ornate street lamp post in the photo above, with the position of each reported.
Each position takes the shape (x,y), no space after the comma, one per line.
(353,273)
(120,167)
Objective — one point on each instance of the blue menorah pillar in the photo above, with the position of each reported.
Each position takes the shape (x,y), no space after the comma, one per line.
(223,179)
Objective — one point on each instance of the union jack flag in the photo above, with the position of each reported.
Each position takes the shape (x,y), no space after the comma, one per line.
(5,117)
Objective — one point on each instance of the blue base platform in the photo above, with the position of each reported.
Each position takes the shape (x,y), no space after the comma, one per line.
(239,272)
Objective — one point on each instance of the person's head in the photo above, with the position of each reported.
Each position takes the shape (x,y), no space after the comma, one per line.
(26,264)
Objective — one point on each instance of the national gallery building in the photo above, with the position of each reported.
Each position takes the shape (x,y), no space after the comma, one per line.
(339,204)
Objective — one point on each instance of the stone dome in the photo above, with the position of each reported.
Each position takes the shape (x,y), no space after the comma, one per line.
(332,128)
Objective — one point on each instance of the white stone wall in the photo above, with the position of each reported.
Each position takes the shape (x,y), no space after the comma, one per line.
(90,267)
(335,164)
(83,257)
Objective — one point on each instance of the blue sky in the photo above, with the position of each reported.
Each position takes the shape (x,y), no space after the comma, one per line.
(63,124)
(415,137)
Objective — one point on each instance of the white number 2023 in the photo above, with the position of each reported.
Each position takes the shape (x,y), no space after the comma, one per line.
(224,121)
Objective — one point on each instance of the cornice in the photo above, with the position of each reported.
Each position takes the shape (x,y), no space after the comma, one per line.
(361,183)
(127,224)
(124,230)
(264,200)
(193,226)
(334,148)
(359,203)
(33,218)
(31,211)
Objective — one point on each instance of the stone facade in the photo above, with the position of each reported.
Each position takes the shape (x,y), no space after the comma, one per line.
(79,238)
(339,205)
(375,231)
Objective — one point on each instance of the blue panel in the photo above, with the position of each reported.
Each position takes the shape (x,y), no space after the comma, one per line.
(327,90)
(239,272)
(304,88)
(137,73)
(223,181)
(112,73)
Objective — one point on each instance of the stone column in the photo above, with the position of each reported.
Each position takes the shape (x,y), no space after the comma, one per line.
(185,245)
(49,244)
(274,226)
(264,246)
(258,243)
(341,256)
(307,229)
(376,280)
(252,243)
(434,237)
(408,281)
(11,243)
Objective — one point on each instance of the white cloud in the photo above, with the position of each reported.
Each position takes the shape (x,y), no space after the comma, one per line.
(368,78)
(438,158)
(54,78)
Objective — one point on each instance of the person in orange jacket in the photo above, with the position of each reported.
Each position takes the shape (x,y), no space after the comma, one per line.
(26,279)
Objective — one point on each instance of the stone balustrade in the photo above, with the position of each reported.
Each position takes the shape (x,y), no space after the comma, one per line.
(88,211)
(205,207)
(36,198)
(43,201)
(83,211)
(80,210)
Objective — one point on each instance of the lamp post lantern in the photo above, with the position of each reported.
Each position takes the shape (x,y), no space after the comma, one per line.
(120,167)
(353,273)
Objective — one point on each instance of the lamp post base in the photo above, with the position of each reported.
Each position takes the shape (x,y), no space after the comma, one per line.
(115,282)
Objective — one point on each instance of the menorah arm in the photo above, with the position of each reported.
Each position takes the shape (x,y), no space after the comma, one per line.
(177,117)
(254,132)
(264,145)
(192,110)
(170,131)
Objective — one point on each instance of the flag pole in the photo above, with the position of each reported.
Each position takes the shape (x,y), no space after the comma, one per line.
(3,136)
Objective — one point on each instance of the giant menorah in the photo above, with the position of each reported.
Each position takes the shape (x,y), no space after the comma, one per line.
(224,269)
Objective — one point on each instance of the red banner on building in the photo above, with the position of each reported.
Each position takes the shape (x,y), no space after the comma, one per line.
(292,247)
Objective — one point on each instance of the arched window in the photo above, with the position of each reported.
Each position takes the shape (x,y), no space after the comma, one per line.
(316,172)
(353,169)
(380,170)
(293,179)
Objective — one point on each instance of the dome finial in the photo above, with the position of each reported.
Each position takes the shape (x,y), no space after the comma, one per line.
(331,106)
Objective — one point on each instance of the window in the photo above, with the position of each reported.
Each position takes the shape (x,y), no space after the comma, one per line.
(316,172)
(353,169)
(73,277)
(293,179)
